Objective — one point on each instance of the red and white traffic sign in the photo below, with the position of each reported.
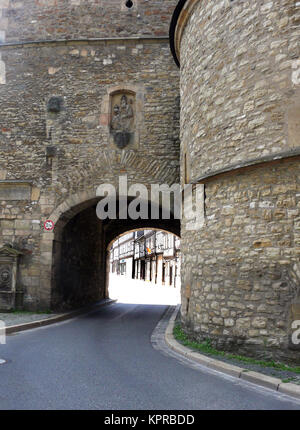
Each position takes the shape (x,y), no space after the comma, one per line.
(49,225)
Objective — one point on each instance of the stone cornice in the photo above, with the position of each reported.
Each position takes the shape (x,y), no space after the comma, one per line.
(86,41)
(253,163)
(16,181)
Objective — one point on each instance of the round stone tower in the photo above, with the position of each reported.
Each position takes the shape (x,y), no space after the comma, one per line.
(240,137)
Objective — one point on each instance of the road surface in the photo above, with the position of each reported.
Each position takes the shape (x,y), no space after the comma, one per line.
(105,360)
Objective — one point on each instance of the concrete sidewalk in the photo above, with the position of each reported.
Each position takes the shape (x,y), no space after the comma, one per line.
(19,321)
(23,317)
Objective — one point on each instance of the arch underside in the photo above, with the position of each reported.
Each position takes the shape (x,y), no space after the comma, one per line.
(79,274)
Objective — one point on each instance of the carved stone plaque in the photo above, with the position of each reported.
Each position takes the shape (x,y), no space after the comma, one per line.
(54,104)
(5,278)
(15,190)
(122,119)
(8,277)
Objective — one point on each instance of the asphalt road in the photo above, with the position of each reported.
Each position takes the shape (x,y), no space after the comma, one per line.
(105,360)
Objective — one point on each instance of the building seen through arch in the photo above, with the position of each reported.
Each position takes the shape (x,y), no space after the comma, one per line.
(147,255)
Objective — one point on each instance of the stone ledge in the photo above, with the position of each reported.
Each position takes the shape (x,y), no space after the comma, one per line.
(87,41)
(16,181)
(253,163)
(229,369)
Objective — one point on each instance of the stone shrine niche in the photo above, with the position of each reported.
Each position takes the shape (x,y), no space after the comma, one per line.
(10,293)
(123,122)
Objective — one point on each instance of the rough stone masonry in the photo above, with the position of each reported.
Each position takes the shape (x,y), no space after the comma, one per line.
(89,91)
(240,137)
(64,65)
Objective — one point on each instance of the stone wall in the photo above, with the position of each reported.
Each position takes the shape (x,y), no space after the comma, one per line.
(241,138)
(28,20)
(239,60)
(56,110)
(244,271)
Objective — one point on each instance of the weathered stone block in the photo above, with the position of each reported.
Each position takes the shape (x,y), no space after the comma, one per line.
(14,191)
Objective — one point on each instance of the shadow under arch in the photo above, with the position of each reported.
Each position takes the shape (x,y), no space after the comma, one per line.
(79,274)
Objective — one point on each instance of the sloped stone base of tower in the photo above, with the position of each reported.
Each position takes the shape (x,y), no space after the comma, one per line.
(241,277)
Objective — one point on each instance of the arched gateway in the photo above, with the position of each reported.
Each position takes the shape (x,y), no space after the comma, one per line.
(90,93)
(83,101)
(76,255)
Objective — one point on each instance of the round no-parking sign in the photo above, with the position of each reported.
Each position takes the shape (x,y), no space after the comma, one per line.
(49,225)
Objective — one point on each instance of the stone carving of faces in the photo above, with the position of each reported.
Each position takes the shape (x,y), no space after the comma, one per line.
(5,276)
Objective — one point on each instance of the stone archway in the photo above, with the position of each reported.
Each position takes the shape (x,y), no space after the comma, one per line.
(73,256)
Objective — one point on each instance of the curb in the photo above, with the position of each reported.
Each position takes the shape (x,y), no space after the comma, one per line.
(229,369)
(58,318)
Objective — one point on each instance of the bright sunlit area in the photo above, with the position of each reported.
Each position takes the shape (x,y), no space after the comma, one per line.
(145,268)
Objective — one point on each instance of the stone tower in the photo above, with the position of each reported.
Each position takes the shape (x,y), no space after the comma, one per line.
(89,92)
(240,137)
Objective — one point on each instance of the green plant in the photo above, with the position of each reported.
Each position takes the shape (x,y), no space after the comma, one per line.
(206,347)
